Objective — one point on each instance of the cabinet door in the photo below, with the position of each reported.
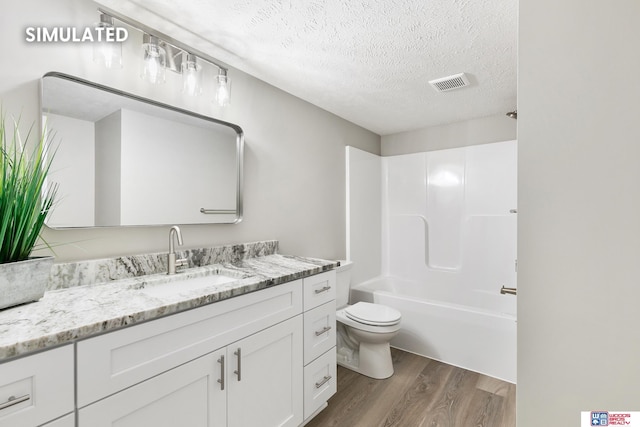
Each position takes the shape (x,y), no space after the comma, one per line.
(36,389)
(68,421)
(266,376)
(189,395)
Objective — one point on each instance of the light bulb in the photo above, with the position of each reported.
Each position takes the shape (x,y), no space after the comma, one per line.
(191,75)
(154,60)
(107,53)
(223,89)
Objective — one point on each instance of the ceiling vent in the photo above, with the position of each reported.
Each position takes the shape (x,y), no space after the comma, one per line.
(449,83)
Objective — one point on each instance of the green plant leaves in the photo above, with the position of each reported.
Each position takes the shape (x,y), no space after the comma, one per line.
(25,195)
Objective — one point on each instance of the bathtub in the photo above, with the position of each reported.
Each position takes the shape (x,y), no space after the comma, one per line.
(474,329)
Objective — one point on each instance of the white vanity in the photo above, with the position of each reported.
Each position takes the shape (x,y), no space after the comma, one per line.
(263,358)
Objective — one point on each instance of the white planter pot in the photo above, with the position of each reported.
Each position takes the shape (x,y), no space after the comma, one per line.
(23,281)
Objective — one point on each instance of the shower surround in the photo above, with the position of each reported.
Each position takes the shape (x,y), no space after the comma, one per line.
(447,245)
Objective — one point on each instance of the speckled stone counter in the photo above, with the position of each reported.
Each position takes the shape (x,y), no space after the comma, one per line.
(70,313)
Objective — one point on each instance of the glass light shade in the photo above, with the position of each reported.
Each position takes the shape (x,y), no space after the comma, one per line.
(107,53)
(223,89)
(155,59)
(191,75)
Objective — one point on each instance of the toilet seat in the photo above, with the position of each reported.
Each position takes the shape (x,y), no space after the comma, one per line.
(341,317)
(373,314)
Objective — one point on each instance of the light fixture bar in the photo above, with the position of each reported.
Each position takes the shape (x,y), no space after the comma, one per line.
(168,43)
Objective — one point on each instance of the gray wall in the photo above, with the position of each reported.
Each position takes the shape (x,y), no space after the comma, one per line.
(579,209)
(294,160)
(496,128)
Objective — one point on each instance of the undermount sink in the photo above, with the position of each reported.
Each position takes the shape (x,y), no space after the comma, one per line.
(188,284)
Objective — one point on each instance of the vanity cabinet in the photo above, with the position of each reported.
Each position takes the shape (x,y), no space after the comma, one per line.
(320,381)
(238,362)
(265,358)
(37,389)
(112,362)
(256,381)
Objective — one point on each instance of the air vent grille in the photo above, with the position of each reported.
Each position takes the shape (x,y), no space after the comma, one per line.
(449,83)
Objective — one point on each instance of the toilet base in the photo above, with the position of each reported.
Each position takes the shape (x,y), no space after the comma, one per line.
(377,362)
(372,359)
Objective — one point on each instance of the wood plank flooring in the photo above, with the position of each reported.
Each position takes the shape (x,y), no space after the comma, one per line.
(421,393)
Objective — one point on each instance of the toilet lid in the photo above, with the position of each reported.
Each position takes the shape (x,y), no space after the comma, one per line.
(373,314)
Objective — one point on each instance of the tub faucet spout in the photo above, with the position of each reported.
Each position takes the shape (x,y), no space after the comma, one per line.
(172,262)
(509,291)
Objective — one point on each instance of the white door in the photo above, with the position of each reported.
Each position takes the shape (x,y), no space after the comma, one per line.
(189,395)
(265,377)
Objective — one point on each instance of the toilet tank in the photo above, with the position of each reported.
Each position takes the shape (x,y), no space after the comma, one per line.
(343,283)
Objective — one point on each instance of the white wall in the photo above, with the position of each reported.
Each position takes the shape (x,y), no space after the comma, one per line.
(73,168)
(452,135)
(579,209)
(108,143)
(364,210)
(294,159)
(149,141)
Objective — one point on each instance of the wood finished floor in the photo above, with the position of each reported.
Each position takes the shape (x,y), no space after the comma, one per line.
(421,393)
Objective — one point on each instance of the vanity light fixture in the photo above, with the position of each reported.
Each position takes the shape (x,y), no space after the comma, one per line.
(155,60)
(107,53)
(162,53)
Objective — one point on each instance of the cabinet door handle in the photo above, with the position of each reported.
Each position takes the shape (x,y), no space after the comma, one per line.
(323,330)
(12,400)
(238,353)
(221,380)
(323,381)
(323,289)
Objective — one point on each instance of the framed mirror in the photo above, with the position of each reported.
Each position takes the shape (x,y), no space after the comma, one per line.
(124,160)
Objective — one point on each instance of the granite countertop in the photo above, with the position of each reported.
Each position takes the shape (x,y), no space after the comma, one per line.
(66,315)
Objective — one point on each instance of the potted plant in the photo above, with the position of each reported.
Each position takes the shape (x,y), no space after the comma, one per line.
(26,199)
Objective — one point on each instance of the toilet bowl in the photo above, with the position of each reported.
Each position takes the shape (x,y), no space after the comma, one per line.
(364,331)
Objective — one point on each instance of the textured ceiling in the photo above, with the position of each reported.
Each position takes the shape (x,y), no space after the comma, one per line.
(368,61)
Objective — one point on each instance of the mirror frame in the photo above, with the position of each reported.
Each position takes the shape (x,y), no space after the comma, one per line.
(239,148)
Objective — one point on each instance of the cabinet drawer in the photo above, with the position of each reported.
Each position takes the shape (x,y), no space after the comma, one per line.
(319,330)
(319,289)
(320,382)
(114,361)
(41,385)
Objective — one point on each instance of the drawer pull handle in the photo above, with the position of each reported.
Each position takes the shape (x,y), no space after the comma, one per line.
(323,331)
(323,289)
(323,381)
(238,353)
(221,380)
(12,400)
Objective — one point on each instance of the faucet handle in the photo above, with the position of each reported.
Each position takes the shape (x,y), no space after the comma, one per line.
(173,264)
(182,263)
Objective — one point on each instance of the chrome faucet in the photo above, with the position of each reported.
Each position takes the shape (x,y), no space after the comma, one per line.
(172,262)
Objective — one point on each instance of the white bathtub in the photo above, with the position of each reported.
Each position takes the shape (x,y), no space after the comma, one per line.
(479,334)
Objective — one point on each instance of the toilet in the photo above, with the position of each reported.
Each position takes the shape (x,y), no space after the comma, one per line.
(364,330)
